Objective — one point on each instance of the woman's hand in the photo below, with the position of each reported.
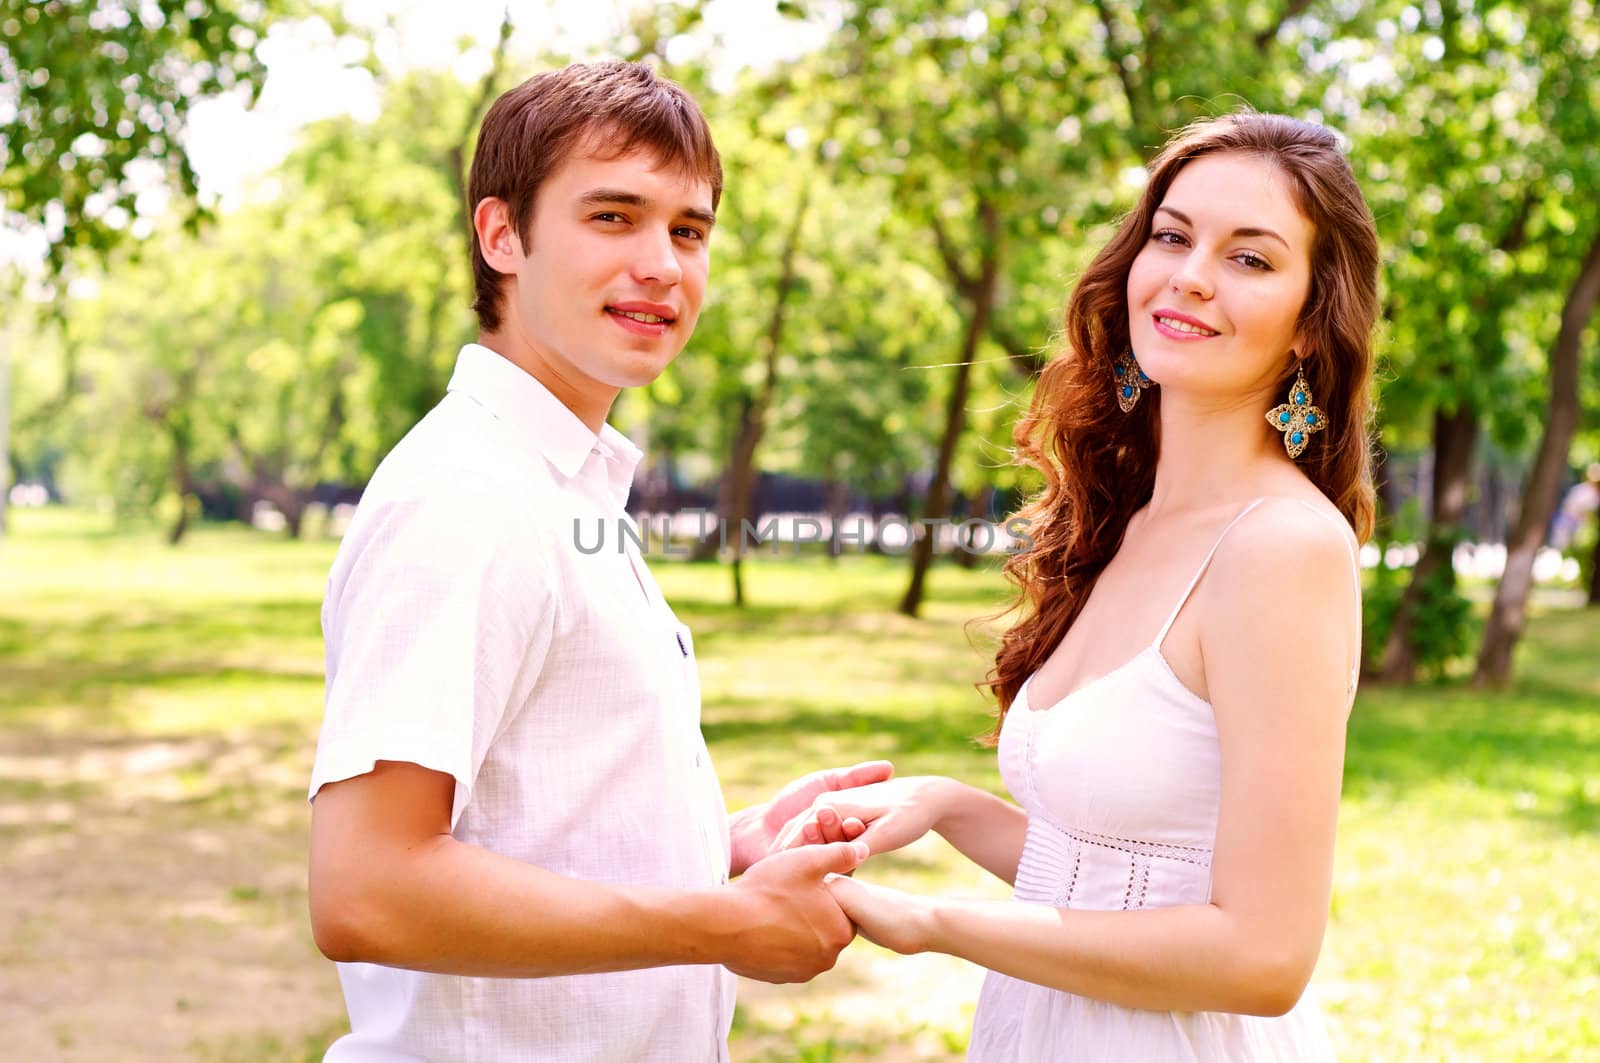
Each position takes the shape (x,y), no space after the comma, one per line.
(899,921)
(893,814)
(753,832)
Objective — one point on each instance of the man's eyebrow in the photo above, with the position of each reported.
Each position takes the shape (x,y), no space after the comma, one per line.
(704,216)
(613,195)
(600,196)
(1247,231)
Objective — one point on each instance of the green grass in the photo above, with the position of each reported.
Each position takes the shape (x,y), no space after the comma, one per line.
(164,703)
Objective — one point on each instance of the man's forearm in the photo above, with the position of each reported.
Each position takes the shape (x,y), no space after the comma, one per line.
(451,908)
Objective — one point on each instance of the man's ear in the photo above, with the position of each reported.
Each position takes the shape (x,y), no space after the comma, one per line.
(498,241)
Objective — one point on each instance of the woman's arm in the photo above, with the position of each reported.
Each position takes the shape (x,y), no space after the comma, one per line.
(986,829)
(1278,617)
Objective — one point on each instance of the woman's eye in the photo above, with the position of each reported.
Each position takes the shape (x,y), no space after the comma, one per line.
(1168,236)
(1254,261)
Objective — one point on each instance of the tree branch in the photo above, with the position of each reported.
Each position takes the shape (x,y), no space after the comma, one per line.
(1517,232)
(965,284)
(1118,55)
(1265,38)
(458,151)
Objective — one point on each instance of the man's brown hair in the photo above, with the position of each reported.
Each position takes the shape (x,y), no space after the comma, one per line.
(612,108)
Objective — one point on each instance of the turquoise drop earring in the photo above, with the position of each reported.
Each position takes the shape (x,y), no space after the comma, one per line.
(1298,417)
(1130,381)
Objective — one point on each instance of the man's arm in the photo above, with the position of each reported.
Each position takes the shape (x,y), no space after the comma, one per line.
(389,885)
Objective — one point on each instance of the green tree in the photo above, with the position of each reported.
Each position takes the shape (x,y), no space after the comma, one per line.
(1441,145)
(781,316)
(1040,105)
(145,359)
(88,93)
(400,181)
(1508,613)
(96,89)
(1471,137)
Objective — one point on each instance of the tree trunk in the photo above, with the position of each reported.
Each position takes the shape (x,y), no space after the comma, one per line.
(288,500)
(1509,612)
(456,162)
(838,505)
(5,423)
(711,541)
(741,473)
(1387,502)
(733,495)
(738,481)
(1455,437)
(293,508)
(1594,566)
(980,292)
(182,476)
(973,541)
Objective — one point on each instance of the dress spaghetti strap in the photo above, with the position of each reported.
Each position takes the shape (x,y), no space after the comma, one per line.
(1201,571)
(1355,559)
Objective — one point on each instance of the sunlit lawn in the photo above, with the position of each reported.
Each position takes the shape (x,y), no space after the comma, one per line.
(158,710)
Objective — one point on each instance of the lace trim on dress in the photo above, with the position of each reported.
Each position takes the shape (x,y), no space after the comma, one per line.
(1189,854)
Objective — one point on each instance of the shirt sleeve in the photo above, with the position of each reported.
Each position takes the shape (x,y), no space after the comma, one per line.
(438,611)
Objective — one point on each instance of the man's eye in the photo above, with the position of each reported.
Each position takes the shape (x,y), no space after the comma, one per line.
(689,233)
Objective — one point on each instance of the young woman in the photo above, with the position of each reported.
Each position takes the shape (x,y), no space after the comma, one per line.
(1173,699)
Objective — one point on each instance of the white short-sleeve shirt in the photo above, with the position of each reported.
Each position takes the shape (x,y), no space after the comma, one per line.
(487,617)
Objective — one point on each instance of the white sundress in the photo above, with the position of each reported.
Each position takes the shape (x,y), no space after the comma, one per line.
(1121,781)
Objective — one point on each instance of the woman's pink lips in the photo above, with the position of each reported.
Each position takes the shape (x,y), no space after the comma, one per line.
(1172,333)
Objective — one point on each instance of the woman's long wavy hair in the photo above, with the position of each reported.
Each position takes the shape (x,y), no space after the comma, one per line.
(1099,463)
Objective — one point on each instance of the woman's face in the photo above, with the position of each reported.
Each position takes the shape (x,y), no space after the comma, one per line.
(1215,294)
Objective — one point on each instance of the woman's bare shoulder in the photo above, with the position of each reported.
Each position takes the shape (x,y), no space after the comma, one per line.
(1293,542)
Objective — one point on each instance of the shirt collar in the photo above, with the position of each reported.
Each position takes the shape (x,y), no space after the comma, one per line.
(517,398)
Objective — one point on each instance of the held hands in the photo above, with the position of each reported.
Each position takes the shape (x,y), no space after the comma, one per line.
(900,921)
(886,815)
(792,928)
(754,831)
(802,911)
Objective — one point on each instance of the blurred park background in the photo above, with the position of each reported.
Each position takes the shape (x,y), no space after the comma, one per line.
(233,272)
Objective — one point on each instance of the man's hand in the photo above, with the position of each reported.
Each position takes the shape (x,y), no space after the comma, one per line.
(754,831)
(792,928)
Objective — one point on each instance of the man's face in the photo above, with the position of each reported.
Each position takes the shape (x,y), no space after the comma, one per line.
(614,271)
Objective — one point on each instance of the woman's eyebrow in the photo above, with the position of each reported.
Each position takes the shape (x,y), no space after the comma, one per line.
(1247,231)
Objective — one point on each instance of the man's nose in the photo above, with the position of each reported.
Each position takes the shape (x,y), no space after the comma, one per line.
(656,259)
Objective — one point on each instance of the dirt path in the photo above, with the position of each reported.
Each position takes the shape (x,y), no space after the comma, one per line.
(154,902)
(154,909)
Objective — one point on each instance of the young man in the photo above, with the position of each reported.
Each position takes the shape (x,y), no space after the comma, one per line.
(519,848)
